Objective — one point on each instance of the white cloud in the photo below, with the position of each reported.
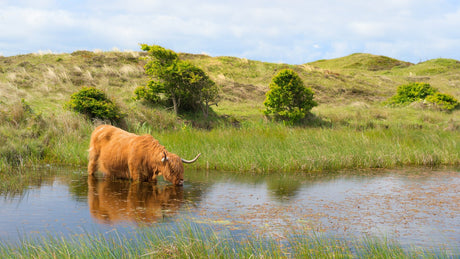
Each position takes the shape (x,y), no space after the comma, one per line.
(368,29)
(291,31)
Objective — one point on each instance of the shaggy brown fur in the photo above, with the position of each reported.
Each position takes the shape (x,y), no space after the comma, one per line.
(121,154)
(140,202)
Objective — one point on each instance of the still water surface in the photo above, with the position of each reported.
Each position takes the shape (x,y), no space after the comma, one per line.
(414,207)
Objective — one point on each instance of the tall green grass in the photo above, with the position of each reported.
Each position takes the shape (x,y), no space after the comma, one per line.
(348,139)
(30,138)
(191,240)
(277,148)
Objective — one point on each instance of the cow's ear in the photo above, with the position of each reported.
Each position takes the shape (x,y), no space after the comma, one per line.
(165,157)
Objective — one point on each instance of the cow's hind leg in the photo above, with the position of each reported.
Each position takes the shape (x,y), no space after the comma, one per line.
(93,161)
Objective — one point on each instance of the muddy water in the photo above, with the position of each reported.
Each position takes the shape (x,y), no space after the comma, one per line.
(413,207)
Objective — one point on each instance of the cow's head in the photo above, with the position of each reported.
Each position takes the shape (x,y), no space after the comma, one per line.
(174,167)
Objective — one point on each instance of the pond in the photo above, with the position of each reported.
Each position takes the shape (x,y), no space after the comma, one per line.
(414,207)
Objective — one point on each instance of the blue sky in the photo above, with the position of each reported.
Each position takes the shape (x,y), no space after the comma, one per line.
(289,31)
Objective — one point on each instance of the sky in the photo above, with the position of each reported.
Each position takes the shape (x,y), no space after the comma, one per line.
(280,31)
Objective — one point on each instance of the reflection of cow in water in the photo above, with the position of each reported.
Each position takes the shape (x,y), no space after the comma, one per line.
(112,201)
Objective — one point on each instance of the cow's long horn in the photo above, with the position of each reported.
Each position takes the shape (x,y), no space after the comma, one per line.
(191,161)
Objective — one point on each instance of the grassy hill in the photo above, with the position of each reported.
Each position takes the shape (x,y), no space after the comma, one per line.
(46,80)
(362,61)
(381,71)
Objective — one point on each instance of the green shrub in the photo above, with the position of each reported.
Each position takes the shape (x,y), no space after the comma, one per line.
(288,98)
(94,103)
(147,93)
(412,92)
(422,91)
(443,101)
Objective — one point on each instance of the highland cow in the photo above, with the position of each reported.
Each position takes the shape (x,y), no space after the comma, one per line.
(121,154)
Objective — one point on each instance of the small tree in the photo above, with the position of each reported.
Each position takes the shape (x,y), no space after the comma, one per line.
(94,103)
(210,95)
(185,85)
(288,98)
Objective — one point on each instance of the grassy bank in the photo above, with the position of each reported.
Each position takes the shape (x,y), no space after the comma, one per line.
(200,241)
(349,129)
(353,138)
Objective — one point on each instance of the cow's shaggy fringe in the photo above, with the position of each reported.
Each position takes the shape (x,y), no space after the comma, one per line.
(191,240)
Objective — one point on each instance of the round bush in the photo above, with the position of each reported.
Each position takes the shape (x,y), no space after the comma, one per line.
(288,98)
(412,92)
(94,103)
(443,101)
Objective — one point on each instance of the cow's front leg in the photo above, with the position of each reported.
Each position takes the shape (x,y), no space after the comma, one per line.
(154,179)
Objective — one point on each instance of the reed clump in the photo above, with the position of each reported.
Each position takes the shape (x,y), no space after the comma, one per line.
(30,138)
(190,240)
